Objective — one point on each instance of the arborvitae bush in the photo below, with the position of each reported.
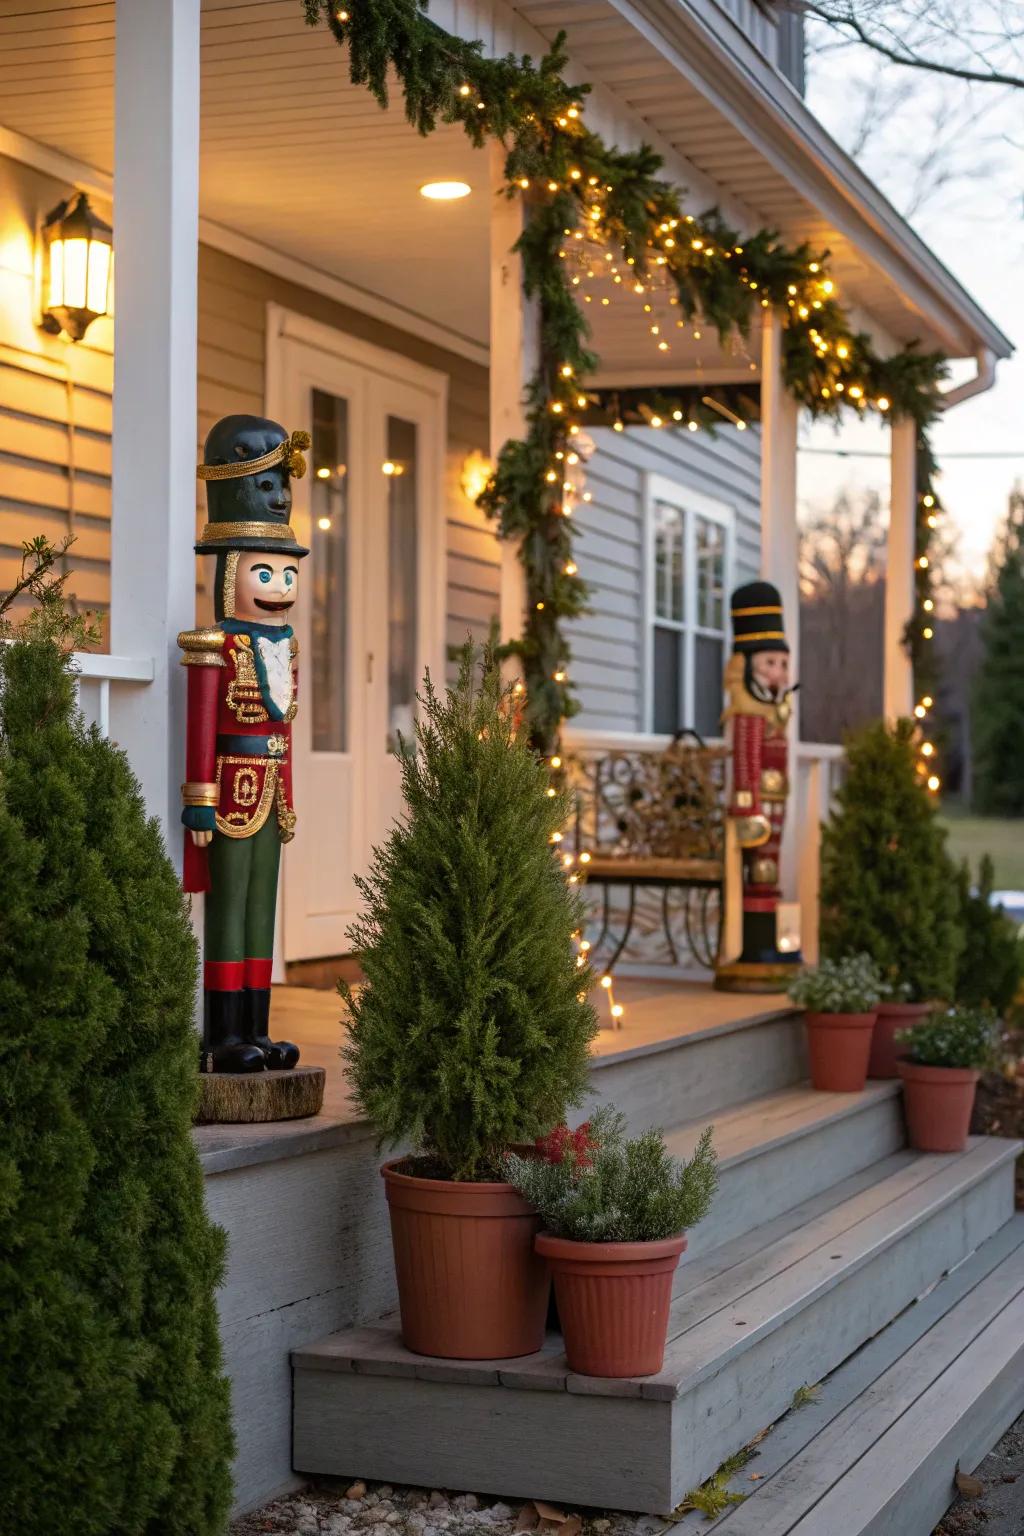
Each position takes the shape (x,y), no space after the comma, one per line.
(473,1029)
(992,960)
(114,1416)
(997,694)
(888,887)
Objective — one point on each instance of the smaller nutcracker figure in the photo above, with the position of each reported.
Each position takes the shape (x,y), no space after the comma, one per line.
(242,695)
(757,716)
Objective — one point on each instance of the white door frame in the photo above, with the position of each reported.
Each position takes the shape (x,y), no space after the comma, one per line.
(284,326)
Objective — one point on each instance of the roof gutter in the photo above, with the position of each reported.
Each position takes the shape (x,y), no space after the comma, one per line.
(985,376)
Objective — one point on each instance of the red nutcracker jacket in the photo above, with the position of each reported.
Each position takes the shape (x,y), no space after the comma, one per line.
(242,698)
(760,752)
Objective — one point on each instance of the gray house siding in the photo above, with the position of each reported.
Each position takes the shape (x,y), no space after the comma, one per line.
(608,643)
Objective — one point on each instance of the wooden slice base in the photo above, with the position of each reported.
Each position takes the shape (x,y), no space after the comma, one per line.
(751,976)
(245,1098)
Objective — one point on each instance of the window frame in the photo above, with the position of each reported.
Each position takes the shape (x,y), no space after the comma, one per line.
(692,503)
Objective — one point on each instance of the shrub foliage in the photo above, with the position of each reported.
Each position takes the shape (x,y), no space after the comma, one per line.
(473,1029)
(888,887)
(992,961)
(596,1185)
(115,1413)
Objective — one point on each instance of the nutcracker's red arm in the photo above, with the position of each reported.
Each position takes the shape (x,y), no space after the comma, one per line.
(747,748)
(204,660)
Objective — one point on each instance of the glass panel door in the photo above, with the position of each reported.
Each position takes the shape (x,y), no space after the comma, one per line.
(329,563)
(402,470)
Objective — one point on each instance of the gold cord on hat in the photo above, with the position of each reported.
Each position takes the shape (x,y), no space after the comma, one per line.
(289,453)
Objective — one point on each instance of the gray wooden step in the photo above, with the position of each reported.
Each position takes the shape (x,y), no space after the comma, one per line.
(781,1305)
(874,1454)
(780,1150)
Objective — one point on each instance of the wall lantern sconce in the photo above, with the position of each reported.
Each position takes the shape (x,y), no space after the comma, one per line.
(77,258)
(476,471)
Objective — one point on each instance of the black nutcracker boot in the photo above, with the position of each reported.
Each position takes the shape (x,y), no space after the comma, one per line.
(224,1048)
(280,1054)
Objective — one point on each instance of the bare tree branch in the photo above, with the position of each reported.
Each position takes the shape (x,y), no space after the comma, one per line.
(923,36)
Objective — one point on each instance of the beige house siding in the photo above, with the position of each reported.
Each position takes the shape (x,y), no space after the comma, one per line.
(55,409)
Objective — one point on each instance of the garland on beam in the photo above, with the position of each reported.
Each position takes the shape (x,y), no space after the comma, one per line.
(585,195)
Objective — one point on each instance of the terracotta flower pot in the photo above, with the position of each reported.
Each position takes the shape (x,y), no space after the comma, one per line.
(613,1301)
(938,1101)
(470,1285)
(839,1045)
(891,1017)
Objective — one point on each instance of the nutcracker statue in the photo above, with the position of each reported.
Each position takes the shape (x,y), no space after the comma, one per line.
(241,701)
(757,713)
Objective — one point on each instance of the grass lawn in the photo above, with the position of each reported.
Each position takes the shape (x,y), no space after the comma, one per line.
(972,836)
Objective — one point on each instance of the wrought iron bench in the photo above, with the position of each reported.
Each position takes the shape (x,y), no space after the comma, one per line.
(655,819)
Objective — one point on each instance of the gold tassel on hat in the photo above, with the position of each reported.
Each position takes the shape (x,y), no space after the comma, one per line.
(294,458)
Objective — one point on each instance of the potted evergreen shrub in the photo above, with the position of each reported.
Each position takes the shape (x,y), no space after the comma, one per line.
(841,998)
(888,887)
(472,1032)
(615,1214)
(941,1059)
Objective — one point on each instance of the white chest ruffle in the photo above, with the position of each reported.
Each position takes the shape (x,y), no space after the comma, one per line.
(276,657)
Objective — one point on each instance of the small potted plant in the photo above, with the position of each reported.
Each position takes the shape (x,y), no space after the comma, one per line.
(841,998)
(615,1212)
(888,886)
(472,1032)
(943,1057)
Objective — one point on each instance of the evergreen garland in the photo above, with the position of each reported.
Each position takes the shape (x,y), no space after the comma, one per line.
(576,183)
(888,887)
(115,1413)
(473,1030)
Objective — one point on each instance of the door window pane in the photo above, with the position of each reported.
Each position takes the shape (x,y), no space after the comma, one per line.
(708,685)
(329,562)
(401,468)
(668,652)
(710,555)
(668,562)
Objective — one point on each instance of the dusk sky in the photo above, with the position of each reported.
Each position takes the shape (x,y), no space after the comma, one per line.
(960,150)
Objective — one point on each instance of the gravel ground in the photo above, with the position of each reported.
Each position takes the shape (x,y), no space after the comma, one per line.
(999,1510)
(331,1508)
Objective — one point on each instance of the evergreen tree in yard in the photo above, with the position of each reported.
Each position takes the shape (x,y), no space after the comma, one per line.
(888,887)
(114,1416)
(473,1030)
(992,961)
(997,703)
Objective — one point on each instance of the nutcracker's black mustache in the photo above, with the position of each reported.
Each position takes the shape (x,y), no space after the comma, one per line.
(276,607)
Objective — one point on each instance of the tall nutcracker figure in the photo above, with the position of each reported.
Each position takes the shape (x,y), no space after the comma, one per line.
(242,688)
(757,715)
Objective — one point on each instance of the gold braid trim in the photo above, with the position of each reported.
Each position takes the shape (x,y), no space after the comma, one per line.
(202,647)
(289,452)
(217,534)
(195,792)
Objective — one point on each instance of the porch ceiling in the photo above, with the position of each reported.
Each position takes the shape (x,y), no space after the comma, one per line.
(296,159)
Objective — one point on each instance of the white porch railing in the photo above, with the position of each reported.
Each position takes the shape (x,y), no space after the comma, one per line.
(817,776)
(96,673)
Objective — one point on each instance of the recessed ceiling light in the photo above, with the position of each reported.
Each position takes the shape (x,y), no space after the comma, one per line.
(445,191)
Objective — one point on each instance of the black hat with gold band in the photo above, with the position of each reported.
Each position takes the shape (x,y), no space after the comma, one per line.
(756,612)
(248,465)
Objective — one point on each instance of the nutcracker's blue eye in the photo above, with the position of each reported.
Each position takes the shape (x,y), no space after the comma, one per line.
(289,578)
(265,577)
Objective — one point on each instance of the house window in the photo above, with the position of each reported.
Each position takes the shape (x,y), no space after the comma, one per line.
(690,553)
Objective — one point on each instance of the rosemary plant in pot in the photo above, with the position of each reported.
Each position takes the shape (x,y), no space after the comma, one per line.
(841,998)
(472,1032)
(615,1213)
(942,1058)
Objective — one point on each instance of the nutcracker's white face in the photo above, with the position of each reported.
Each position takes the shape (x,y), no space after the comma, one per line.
(266,587)
(771,671)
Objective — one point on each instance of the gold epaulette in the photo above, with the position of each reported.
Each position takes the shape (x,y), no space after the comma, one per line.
(202,647)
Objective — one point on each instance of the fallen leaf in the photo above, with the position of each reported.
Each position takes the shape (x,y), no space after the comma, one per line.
(970,1487)
(1010,1477)
(527,1518)
(571,1527)
(549,1512)
(755,1477)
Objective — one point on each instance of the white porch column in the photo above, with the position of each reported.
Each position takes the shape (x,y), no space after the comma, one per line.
(515,351)
(898,691)
(780,546)
(156,221)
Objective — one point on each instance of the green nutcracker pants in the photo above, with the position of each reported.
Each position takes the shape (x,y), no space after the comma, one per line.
(241,906)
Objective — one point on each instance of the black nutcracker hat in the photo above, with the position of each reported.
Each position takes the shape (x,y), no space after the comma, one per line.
(756,611)
(248,465)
